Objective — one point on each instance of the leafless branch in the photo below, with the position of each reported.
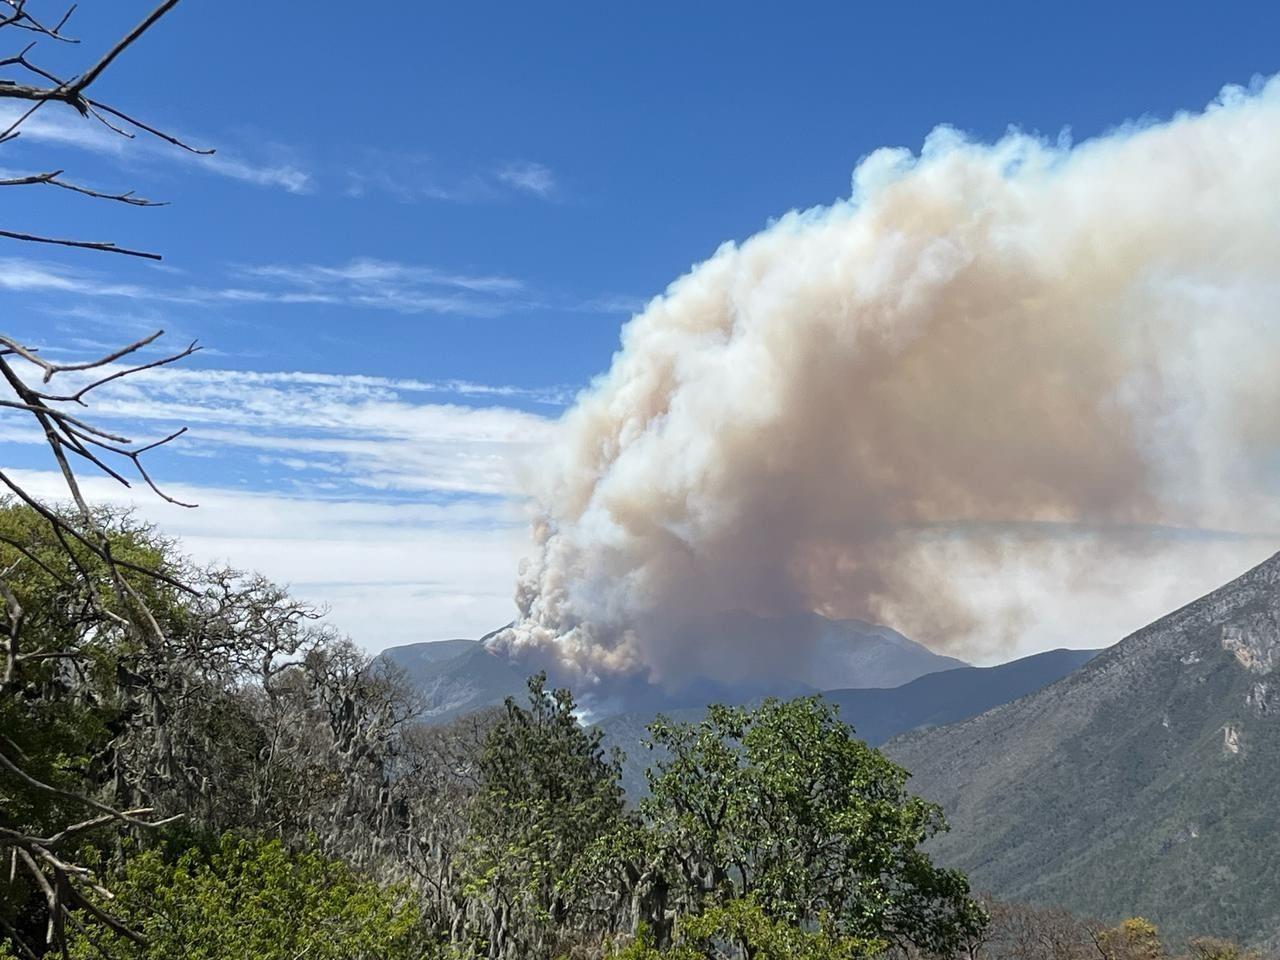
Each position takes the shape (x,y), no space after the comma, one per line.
(123,44)
(72,91)
(39,86)
(22,20)
(104,246)
(53,179)
(97,589)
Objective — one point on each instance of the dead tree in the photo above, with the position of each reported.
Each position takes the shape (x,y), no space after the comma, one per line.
(35,387)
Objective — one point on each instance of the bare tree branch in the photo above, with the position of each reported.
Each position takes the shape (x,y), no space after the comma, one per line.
(52,179)
(104,246)
(39,86)
(121,46)
(97,589)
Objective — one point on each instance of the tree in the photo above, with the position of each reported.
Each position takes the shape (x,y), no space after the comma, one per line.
(784,805)
(111,720)
(546,793)
(255,898)
(741,928)
(1135,939)
(62,705)
(438,771)
(1018,931)
(1214,948)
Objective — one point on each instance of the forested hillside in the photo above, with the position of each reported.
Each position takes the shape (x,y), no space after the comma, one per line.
(246,783)
(1142,779)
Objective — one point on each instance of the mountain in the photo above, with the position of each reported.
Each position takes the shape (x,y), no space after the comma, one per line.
(458,676)
(878,714)
(1143,783)
(437,651)
(941,698)
(454,677)
(830,654)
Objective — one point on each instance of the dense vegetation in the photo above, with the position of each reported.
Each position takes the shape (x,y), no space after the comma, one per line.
(277,797)
(302,807)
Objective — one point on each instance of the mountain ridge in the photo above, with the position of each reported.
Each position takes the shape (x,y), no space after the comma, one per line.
(876,714)
(1147,762)
(454,677)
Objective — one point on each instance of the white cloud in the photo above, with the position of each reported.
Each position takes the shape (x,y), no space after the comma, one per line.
(414,177)
(370,270)
(62,128)
(528,177)
(288,177)
(390,573)
(613,303)
(25,276)
(371,433)
(362,281)
(382,284)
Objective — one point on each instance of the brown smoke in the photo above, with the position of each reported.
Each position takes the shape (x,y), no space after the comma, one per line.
(990,356)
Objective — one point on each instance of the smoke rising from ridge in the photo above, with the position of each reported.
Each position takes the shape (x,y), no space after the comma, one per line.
(989,356)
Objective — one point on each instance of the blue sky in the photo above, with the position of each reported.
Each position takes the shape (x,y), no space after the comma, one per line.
(425,226)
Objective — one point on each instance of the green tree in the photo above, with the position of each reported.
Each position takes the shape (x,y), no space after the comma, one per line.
(58,672)
(1135,939)
(189,720)
(546,793)
(784,805)
(254,898)
(741,928)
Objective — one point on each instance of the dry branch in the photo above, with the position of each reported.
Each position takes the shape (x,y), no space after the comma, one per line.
(38,86)
(100,586)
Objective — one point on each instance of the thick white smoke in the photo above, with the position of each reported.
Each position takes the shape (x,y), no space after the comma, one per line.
(989,356)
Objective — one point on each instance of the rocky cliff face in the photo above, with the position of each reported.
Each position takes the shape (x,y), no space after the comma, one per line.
(1143,783)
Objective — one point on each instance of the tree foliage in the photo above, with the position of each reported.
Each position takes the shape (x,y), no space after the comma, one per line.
(310,813)
(546,793)
(785,805)
(256,898)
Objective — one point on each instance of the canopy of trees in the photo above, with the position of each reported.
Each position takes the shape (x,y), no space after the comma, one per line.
(282,775)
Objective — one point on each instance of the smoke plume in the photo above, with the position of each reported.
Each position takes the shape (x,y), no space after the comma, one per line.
(990,356)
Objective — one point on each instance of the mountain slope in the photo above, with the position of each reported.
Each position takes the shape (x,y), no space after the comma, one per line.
(458,676)
(940,698)
(1143,783)
(454,677)
(878,714)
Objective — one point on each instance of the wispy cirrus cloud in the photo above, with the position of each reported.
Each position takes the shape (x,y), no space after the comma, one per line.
(529,177)
(353,432)
(417,177)
(362,282)
(68,130)
(616,303)
(388,572)
(394,501)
